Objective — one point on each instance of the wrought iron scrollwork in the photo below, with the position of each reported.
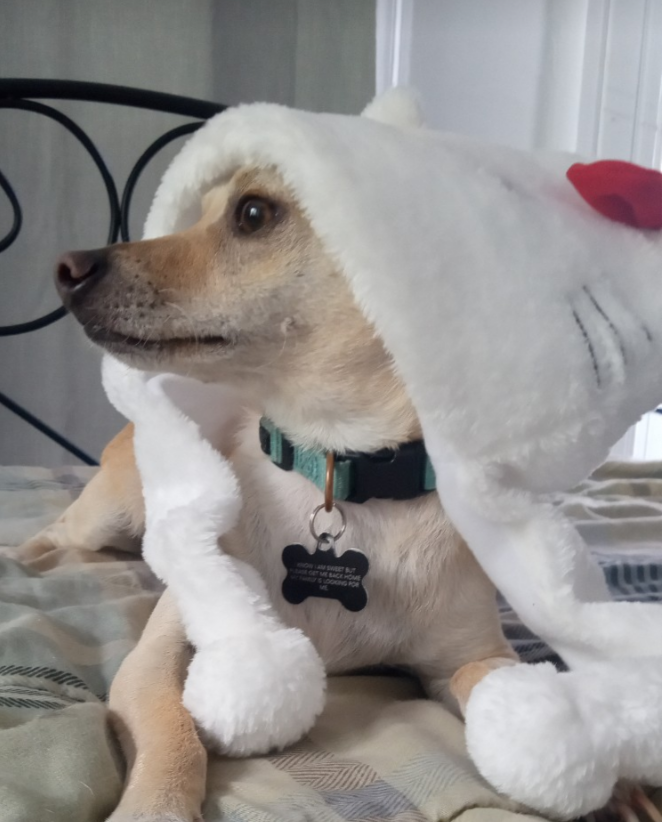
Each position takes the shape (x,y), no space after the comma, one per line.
(12,234)
(24,95)
(109,183)
(140,165)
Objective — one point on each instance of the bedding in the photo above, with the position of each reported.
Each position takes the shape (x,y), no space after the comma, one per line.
(380,752)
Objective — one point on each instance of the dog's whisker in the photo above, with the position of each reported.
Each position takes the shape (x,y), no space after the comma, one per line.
(188,319)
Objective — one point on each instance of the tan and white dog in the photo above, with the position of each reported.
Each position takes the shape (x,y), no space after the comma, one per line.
(249,297)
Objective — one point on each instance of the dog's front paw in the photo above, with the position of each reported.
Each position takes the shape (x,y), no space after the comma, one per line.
(250,694)
(33,549)
(629,803)
(45,551)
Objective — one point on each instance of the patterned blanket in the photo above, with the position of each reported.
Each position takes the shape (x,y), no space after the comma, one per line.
(379,753)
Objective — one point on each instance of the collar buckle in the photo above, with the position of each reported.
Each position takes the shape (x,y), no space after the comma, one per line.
(389,474)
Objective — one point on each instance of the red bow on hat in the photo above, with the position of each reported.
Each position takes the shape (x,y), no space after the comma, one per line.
(621,191)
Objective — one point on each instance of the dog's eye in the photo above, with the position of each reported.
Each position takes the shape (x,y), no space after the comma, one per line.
(253,213)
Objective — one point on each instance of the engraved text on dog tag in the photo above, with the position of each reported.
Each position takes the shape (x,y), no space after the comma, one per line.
(324,574)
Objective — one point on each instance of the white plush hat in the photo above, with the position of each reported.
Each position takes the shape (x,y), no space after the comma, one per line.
(527,328)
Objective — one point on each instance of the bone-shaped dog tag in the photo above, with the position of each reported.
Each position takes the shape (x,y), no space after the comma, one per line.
(325,574)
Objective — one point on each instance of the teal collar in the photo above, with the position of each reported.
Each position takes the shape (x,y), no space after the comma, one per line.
(402,473)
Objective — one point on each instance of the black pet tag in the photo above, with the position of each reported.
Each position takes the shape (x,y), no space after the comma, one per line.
(325,574)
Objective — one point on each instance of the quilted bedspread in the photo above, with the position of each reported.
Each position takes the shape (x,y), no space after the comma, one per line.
(379,753)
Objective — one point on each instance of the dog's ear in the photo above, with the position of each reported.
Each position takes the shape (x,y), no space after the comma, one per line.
(399,106)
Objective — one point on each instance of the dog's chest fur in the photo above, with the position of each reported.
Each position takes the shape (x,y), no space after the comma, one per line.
(423,584)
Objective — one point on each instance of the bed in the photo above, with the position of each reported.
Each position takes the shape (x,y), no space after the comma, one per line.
(379,753)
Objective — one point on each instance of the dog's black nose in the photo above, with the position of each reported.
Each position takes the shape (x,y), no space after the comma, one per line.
(78,271)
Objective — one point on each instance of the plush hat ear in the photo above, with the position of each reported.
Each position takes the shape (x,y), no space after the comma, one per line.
(623,192)
(398,106)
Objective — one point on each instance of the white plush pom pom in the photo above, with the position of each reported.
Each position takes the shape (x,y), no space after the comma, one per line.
(529,739)
(398,106)
(252,694)
(559,742)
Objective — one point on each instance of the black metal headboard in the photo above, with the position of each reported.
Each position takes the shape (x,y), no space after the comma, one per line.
(24,95)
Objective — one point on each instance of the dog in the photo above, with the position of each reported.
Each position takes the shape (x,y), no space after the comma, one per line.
(249,297)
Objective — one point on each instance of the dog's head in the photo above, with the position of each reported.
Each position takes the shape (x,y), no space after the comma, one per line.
(248,276)
(247,295)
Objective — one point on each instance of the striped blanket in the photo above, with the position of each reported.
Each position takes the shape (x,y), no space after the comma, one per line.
(379,753)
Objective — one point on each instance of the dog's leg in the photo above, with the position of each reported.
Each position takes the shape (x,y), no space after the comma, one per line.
(474,644)
(108,514)
(465,679)
(166,761)
(454,691)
